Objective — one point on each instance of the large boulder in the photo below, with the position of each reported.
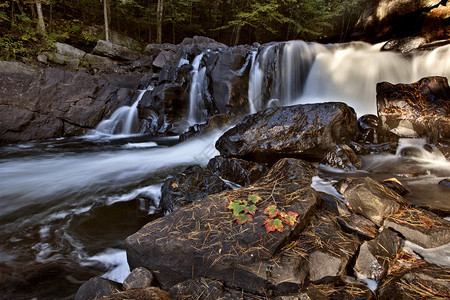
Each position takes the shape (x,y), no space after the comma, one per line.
(229,86)
(420,109)
(302,130)
(203,240)
(421,227)
(59,103)
(116,51)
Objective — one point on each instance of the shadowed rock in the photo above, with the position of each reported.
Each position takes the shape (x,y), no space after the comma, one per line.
(97,287)
(302,130)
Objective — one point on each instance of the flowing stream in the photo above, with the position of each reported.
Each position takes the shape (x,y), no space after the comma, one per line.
(66,205)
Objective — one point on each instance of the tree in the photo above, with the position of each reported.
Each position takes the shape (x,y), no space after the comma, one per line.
(106,17)
(159,19)
(41,23)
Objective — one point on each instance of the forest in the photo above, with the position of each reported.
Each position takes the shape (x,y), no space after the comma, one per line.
(30,26)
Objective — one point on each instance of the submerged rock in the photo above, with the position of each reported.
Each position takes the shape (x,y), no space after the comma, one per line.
(302,130)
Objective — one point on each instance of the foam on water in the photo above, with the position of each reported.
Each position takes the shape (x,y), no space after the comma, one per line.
(115,260)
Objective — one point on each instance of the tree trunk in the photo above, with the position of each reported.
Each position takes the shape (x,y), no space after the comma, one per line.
(41,23)
(105,16)
(237,34)
(159,17)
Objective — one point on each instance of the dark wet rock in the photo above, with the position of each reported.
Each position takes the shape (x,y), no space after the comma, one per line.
(334,205)
(358,225)
(445,182)
(368,129)
(148,293)
(139,278)
(426,282)
(405,45)
(115,51)
(327,249)
(359,149)
(202,240)
(342,157)
(369,198)
(420,109)
(59,103)
(192,184)
(236,170)
(302,130)
(229,87)
(395,185)
(421,227)
(217,122)
(174,74)
(374,255)
(390,147)
(198,289)
(165,57)
(97,287)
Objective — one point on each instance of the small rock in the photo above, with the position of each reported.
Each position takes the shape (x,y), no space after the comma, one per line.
(139,278)
(445,182)
(359,149)
(395,185)
(97,287)
(374,255)
(343,157)
(358,225)
(367,129)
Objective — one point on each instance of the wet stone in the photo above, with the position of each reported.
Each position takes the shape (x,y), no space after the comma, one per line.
(97,287)
(197,289)
(148,293)
(139,278)
(395,185)
(374,255)
(421,227)
(343,157)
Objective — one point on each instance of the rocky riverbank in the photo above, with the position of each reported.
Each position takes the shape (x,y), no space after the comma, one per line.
(271,234)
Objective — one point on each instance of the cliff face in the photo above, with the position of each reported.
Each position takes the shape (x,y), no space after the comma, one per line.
(385,19)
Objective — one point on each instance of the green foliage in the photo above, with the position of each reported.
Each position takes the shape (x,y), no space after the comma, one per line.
(244,210)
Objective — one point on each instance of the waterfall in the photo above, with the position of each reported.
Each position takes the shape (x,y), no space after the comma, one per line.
(196,104)
(124,121)
(309,73)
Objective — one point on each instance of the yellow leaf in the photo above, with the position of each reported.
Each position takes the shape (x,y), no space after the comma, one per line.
(174,185)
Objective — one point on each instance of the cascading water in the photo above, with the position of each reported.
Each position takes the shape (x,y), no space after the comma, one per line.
(123,121)
(196,105)
(311,73)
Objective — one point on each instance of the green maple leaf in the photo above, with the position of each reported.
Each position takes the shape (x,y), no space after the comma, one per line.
(251,209)
(272,211)
(273,224)
(254,198)
(236,207)
(243,218)
(289,218)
